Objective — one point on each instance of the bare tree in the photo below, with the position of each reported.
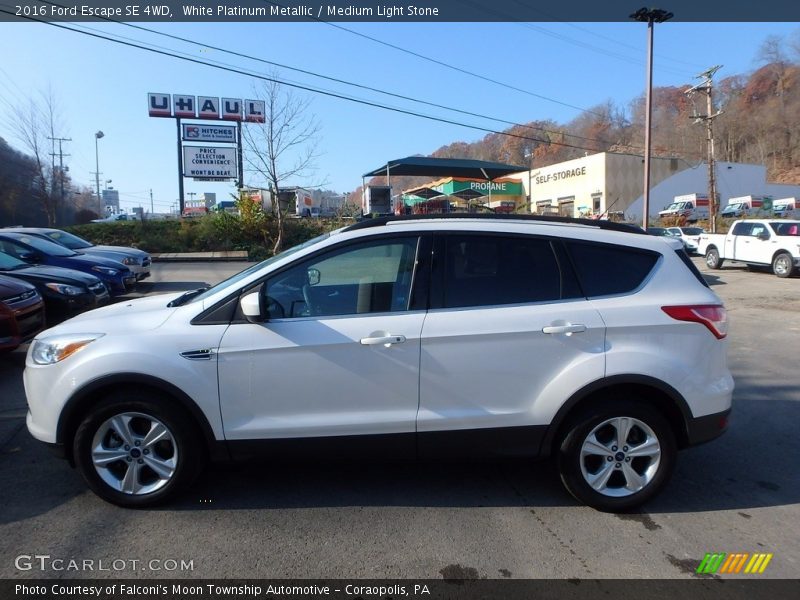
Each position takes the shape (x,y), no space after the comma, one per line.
(284,147)
(34,126)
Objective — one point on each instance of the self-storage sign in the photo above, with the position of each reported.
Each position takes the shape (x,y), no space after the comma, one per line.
(223,134)
(204,161)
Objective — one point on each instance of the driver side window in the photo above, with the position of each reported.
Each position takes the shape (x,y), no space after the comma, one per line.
(370,277)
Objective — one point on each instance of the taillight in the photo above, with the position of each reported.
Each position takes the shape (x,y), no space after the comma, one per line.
(713,316)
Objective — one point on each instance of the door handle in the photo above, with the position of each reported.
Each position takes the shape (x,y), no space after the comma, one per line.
(568,329)
(385,340)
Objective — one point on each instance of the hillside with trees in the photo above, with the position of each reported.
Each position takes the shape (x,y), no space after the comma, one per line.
(759,124)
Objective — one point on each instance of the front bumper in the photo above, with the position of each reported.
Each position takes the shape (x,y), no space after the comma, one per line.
(706,428)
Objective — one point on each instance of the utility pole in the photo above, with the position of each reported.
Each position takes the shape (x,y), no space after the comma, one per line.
(649,16)
(706,86)
(151,201)
(61,156)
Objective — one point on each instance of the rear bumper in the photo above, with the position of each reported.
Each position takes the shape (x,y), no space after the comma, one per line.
(706,428)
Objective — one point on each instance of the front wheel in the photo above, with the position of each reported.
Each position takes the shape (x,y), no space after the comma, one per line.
(713,260)
(135,452)
(617,456)
(782,265)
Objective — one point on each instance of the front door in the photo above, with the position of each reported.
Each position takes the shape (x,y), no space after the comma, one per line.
(339,353)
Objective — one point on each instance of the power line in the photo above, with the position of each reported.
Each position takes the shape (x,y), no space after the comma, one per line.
(304,87)
(342,81)
(446,65)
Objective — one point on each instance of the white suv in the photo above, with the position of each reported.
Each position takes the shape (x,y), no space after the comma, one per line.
(408,337)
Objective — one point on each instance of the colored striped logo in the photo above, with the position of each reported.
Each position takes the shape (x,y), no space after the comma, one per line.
(736,562)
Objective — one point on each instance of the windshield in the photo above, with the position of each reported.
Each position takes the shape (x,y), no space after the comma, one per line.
(9,263)
(692,230)
(44,246)
(231,281)
(72,242)
(735,206)
(788,228)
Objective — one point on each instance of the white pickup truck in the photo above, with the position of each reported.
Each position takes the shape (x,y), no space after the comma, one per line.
(757,243)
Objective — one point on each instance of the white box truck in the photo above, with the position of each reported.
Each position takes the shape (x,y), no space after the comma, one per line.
(786,208)
(692,207)
(746,205)
(306,203)
(377,200)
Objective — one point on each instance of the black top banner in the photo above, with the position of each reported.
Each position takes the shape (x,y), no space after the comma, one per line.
(389,10)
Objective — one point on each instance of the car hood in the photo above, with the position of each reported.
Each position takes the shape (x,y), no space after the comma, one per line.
(45,274)
(109,254)
(120,250)
(142,314)
(93,259)
(10,287)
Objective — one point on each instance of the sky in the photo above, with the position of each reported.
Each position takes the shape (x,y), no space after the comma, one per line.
(561,68)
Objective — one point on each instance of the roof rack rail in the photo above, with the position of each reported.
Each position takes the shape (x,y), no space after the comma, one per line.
(600,224)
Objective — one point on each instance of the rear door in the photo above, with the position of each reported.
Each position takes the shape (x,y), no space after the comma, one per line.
(507,337)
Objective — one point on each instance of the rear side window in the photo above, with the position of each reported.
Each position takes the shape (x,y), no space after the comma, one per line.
(486,270)
(605,269)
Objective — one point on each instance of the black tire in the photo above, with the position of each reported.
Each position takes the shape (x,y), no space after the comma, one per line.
(615,498)
(783,265)
(183,446)
(713,261)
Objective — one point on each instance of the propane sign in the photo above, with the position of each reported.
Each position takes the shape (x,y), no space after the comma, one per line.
(223,134)
(203,161)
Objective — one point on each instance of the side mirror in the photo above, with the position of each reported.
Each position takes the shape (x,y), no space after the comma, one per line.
(314,276)
(28,256)
(251,307)
(763,236)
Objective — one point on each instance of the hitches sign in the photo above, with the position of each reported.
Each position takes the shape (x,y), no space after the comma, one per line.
(204,161)
(222,134)
(205,107)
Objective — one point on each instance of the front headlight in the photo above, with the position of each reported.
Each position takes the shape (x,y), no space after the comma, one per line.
(49,351)
(66,290)
(129,260)
(105,270)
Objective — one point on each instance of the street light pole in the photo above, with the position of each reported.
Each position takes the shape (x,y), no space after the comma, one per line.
(97,136)
(650,16)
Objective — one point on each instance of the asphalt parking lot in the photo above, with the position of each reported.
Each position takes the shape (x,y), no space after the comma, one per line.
(738,494)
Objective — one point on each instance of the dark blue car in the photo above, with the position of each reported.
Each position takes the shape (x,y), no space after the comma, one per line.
(34,250)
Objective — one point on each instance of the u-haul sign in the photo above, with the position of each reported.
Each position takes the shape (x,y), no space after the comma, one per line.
(205,161)
(205,107)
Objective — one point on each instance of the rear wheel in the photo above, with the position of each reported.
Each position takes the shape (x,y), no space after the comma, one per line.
(617,456)
(782,264)
(135,452)
(713,260)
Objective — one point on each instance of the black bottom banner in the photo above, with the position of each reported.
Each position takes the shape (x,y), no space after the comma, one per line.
(366,589)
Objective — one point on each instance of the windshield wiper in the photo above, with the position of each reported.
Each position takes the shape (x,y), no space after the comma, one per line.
(183,298)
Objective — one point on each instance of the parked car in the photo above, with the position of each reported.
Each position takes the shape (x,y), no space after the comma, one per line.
(756,243)
(66,292)
(34,250)
(21,313)
(409,337)
(136,260)
(690,236)
(658,231)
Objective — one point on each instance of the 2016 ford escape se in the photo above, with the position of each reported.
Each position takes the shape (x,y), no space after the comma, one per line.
(581,340)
